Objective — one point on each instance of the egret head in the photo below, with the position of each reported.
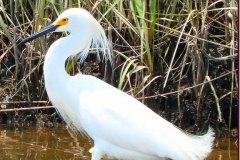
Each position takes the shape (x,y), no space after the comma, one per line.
(75,21)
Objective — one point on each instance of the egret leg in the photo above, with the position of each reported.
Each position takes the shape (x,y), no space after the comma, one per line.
(96,153)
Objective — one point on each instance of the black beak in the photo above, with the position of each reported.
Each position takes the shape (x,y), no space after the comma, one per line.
(42,32)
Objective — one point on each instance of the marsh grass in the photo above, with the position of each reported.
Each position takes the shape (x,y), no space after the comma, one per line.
(177,57)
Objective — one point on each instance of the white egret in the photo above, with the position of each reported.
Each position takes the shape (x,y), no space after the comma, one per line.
(120,126)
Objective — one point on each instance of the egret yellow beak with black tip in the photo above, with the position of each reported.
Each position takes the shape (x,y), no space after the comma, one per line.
(119,125)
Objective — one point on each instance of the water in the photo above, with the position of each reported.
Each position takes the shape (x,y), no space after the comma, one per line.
(58,143)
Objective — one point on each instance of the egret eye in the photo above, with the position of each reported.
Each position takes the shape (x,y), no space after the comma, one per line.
(62,22)
(64,19)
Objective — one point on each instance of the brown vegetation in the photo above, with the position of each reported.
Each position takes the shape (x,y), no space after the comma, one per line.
(179,58)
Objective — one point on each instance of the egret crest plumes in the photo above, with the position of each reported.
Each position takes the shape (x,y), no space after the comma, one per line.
(96,38)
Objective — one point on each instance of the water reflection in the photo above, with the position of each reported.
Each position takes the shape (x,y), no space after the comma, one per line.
(225,149)
(58,143)
(43,143)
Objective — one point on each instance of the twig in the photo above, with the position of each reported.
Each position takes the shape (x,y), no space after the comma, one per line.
(221,58)
(175,51)
(216,98)
(174,92)
(24,109)
(22,102)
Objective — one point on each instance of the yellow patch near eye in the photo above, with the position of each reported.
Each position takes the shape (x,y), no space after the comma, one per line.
(62,22)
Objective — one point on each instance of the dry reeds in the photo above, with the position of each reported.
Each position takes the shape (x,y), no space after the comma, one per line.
(179,57)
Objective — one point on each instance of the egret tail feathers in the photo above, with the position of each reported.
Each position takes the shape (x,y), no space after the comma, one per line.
(201,146)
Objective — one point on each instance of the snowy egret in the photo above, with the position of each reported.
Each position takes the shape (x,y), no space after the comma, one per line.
(120,126)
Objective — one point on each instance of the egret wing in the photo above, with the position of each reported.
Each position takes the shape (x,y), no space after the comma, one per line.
(111,115)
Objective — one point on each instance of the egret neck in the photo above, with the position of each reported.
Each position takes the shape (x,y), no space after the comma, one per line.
(54,66)
(58,82)
(56,71)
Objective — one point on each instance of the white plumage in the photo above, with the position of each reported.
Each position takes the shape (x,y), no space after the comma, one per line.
(119,125)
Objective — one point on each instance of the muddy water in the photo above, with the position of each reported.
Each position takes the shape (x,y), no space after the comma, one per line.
(58,143)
